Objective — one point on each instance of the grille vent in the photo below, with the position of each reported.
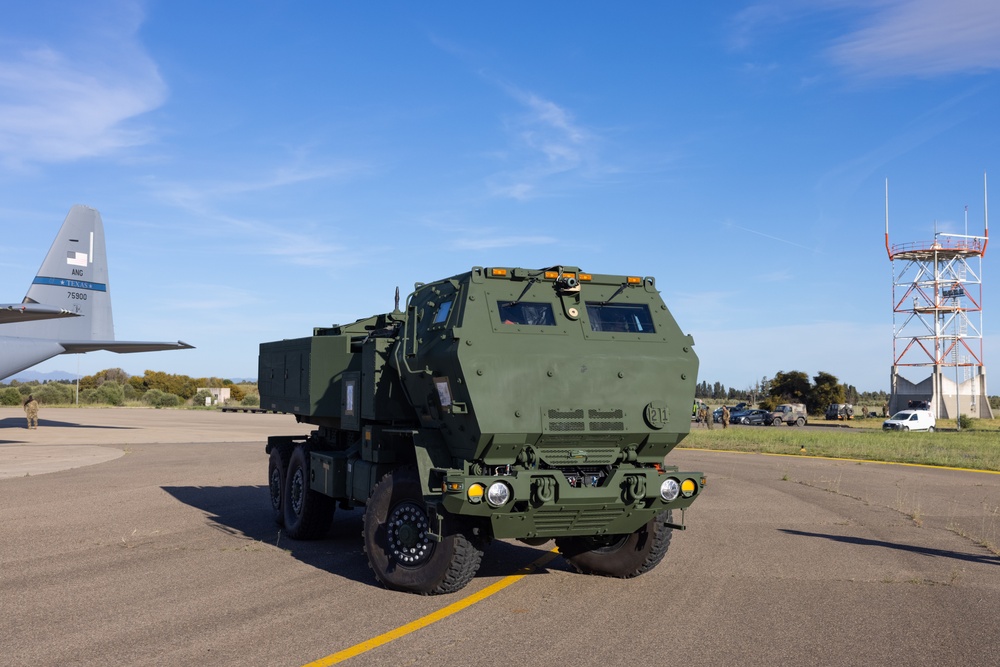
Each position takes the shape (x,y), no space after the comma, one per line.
(583,420)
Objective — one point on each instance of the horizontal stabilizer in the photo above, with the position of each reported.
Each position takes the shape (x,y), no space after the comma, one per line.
(120,346)
(29,312)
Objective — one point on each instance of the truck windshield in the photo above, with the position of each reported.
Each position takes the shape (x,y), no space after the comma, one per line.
(526,312)
(627,317)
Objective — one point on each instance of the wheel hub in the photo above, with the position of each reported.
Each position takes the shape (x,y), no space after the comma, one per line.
(407,534)
(296,491)
(275,488)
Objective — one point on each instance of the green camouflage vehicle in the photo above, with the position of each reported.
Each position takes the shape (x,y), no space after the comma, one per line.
(502,403)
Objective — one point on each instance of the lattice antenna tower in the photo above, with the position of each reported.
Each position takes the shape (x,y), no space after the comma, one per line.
(937,320)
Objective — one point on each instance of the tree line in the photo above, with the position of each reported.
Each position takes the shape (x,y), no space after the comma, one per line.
(793,387)
(113,386)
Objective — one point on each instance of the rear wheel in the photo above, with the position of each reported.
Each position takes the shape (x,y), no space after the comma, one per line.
(277,466)
(800,422)
(400,550)
(621,556)
(930,429)
(307,513)
(776,421)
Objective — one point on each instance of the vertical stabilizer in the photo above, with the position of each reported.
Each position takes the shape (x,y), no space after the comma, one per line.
(73,276)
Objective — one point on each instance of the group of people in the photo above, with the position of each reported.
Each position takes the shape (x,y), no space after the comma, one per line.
(704,416)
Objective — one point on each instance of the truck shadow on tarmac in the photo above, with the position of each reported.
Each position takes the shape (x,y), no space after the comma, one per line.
(245,513)
(927,551)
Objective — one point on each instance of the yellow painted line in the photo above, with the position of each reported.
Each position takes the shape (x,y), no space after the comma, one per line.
(833,458)
(434,617)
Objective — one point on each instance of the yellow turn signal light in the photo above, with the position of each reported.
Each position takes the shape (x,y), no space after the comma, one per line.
(634,280)
(585,277)
(551,275)
(498,273)
(688,487)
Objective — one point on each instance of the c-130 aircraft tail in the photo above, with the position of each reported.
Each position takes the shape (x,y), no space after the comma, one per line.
(67,309)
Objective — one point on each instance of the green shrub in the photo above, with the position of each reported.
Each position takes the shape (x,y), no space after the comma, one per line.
(199,398)
(10,396)
(110,393)
(251,400)
(161,399)
(54,393)
(966,422)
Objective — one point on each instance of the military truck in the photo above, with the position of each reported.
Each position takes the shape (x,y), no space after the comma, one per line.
(501,403)
(787,413)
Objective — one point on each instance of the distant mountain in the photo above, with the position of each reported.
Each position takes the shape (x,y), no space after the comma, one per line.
(51,376)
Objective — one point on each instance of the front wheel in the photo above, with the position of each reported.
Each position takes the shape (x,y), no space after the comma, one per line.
(399,546)
(930,429)
(622,556)
(277,465)
(307,513)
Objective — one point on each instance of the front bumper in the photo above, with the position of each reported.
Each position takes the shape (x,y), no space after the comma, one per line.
(545,504)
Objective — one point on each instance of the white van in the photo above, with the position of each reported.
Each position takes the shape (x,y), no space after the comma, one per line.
(910,420)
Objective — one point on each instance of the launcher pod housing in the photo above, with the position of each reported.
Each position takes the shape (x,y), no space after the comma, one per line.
(510,403)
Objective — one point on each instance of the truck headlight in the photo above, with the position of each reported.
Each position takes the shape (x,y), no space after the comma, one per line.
(669,489)
(688,487)
(498,494)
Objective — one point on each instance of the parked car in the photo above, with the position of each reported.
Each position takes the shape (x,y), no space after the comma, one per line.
(910,420)
(755,417)
(733,409)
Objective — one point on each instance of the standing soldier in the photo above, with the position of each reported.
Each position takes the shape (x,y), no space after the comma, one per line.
(709,418)
(725,416)
(31,411)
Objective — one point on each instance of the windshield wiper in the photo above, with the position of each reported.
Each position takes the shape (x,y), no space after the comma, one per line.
(620,290)
(531,281)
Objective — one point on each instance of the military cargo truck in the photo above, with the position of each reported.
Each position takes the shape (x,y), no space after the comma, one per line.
(500,403)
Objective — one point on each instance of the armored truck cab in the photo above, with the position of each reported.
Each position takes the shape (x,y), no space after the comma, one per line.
(501,403)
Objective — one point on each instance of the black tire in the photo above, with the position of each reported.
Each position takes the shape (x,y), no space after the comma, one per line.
(401,554)
(800,422)
(776,421)
(277,467)
(307,513)
(930,429)
(622,556)
(906,428)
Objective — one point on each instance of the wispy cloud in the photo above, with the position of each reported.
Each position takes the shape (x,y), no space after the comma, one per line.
(209,204)
(547,142)
(64,102)
(488,242)
(924,38)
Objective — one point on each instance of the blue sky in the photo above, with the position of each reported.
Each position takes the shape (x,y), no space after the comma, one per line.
(266,167)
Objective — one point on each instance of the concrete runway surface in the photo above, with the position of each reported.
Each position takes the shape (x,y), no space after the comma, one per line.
(143,537)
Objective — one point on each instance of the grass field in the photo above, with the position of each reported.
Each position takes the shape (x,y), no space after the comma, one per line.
(977,448)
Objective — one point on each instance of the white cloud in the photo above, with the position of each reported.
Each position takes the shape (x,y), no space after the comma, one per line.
(492,242)
(548,142)
(924,38)
(64,102)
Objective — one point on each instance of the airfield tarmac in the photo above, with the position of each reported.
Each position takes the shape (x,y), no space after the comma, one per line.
(143,537)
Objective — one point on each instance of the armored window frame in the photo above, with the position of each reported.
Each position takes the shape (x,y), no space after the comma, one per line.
(526,313)
(631,318)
